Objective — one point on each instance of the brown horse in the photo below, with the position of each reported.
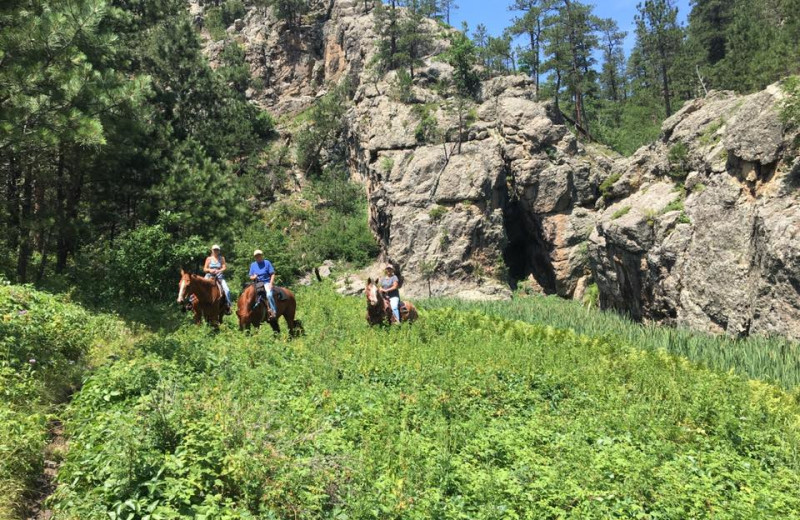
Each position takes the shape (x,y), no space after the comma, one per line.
(379,311)
(208,302)
(286,307)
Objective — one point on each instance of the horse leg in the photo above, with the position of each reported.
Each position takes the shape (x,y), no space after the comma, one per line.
(288,315)
(275,326)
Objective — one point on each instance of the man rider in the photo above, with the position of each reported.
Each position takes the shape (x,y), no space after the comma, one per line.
(263,274)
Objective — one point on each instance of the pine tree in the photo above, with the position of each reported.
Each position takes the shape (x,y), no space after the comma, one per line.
(659,39)
(530,24)
(570,42)
(612,76)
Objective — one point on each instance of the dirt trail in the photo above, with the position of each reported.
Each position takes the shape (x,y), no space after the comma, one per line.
(53,453)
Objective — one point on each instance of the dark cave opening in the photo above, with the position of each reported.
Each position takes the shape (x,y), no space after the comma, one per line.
(526,253)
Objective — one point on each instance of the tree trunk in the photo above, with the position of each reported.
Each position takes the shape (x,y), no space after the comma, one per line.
(12,204)
(665,80)
(24,253)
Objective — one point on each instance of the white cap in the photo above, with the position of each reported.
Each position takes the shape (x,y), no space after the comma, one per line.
(215,247)
(258,252)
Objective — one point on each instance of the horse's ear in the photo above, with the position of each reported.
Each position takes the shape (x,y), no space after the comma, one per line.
(182,271)
(369,281)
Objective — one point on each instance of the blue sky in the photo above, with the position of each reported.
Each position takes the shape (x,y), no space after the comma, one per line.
(494,14)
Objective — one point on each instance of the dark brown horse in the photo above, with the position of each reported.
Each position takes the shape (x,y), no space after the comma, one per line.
(286,307)
(379,311)
(208,301)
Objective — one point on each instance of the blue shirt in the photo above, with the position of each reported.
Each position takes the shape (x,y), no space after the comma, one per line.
(263,270)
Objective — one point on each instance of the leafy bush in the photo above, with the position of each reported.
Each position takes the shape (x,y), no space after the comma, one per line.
(212,18)
(608,184)
(141,266)
(402,87)
(427,129)
(790,109)
(679,160)
(46,345)
(231,11)
(437,213)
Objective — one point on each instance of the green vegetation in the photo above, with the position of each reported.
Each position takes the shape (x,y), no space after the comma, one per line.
(621,212)
(97,141)
(464,415)
(437,213)
(678,157)
(709,135)
(675,205)
(46,345)
(790,112)
(769,359)
(608,184)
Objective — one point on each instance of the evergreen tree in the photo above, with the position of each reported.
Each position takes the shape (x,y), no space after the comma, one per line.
(612,76)
(570,42)
(530,23)
(659,40)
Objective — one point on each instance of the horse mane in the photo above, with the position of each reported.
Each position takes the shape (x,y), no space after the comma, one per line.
(208,281)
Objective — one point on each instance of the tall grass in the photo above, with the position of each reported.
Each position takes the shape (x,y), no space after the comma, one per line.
(462,415)
(774,360)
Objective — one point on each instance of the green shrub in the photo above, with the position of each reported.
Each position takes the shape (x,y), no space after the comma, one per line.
(675,205)
(427,129)
(402,87)
(591,298)
(621,212)
(608,184)
(790,108)
(387,165)
(140,266)
(212,19)
(679,161)
(437,213)
(46,346)
(231,11)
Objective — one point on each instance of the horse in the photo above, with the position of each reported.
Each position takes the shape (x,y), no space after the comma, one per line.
(379,311)
(209,301)
(286,307)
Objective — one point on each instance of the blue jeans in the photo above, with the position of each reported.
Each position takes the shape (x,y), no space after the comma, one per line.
(224,284)
(394,301)
(271,297)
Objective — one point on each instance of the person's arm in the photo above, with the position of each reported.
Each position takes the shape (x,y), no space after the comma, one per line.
(224,266)
(272,274)
(205,266)
(253,275)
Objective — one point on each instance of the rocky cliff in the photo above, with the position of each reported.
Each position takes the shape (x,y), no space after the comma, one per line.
(701,228)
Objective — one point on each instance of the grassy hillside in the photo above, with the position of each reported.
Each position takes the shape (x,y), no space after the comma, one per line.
(460,416)
(46,346)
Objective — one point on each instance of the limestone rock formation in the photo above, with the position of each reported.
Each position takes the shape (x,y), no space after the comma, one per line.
(710,235)
(701,228)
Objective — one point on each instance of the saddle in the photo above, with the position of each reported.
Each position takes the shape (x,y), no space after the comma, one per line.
(278,292)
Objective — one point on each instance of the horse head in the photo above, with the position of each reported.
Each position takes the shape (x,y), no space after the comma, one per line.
(373,297)
(186,281)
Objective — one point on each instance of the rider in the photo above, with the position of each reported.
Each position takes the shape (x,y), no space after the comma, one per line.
(262,272)
(215,267)
(390,286)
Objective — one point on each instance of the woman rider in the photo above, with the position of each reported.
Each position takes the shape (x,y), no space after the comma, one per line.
(390,286)
(215,267)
